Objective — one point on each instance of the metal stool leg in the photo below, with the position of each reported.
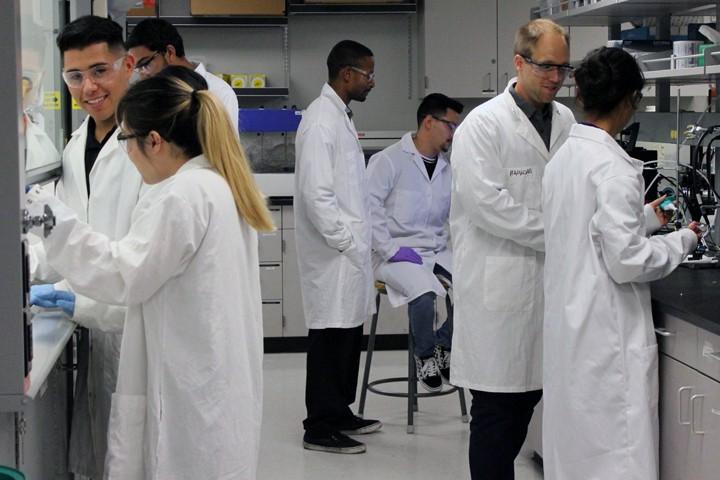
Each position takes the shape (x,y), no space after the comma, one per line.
(368,356)
(412,386)
(463,408)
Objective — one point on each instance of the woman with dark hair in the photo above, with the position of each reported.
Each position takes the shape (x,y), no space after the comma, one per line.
(600,353)
(188,402)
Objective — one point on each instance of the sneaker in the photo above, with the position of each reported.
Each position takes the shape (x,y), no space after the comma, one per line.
(359,426)
(428,374)
(332,442)
(442,357)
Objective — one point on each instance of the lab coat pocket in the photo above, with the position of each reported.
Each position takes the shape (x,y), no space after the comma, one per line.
(126,434)
(407,206)
(509,284)
(524,185)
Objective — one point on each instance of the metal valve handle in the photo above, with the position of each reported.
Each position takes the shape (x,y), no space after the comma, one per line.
(46,220)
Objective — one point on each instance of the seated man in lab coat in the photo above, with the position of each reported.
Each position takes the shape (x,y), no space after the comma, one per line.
(156,44)
(409,184)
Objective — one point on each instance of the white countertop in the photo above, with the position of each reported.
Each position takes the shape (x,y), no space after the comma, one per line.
(51,332)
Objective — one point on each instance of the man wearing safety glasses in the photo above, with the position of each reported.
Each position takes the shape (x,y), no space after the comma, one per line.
(156,43)
(100,183)
(498,160)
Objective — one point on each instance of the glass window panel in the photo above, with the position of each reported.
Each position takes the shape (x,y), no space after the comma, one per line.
(41,85)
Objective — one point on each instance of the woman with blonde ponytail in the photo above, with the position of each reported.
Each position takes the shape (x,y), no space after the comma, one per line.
(188,402)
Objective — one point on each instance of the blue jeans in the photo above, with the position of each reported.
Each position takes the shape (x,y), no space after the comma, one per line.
(422,318)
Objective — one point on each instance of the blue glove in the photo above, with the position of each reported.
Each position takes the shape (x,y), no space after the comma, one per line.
(47,297)
(406,254)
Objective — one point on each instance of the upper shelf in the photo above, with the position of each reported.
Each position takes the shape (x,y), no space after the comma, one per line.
(219,22)
(350,8)
(612,12)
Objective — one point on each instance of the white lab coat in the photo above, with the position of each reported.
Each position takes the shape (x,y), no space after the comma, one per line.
(409,210)
(332,215)
(222,91)
(115,186)
(188,402)
(498,160)
(600,418)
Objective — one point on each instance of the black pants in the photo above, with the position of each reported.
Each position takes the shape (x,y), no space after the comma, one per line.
(333,363)
(497,432)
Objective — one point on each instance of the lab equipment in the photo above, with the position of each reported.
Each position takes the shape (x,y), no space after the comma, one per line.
(268,135)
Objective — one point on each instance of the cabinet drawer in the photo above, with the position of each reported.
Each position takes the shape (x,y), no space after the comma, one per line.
(709,350)
(272,319)
(270,246)
(271,281)
(288,217)
(276,214)
(677,338)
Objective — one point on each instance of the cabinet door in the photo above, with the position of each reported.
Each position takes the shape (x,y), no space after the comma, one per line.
(292,298)
(510,17)
(678,445)
(460,47)
(272,318)
(709,423)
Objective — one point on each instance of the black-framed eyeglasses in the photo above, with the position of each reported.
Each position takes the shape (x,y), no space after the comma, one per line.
(548,68)
(123,138)
(451,125)
(369,76)
(144,64)
(636,98)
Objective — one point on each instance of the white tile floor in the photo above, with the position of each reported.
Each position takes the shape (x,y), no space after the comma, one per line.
(437,449)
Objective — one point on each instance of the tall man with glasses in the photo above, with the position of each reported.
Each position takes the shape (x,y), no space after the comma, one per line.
(333,235)
(409,185)
(498,159)
(156,43)
(100,183)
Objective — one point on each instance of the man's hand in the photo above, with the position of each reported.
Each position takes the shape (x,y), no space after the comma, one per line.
(406,254)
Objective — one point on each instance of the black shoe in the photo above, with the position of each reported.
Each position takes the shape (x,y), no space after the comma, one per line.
(359,426)
(333,442)
(428,374)
(442,357)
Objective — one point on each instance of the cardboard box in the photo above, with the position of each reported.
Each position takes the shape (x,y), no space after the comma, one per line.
(354,1)
(237,7)
(146,11)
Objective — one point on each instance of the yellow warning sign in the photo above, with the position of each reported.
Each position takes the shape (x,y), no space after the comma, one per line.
(51,100)
(75,105)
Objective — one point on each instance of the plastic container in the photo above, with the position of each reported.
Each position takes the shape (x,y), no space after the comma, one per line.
(7,473)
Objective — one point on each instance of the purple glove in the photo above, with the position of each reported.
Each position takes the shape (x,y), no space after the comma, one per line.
(406,254)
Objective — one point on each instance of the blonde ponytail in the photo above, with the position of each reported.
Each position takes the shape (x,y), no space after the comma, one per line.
(222,148)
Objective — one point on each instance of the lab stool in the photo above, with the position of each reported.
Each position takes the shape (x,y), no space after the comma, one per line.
(412,393)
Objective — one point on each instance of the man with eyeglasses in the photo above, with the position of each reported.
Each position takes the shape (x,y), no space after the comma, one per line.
(156,43)
(100,183)
(333,235)
(498,159)
(409,185)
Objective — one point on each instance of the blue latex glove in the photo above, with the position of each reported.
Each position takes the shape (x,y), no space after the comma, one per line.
(406,254)
(47,297)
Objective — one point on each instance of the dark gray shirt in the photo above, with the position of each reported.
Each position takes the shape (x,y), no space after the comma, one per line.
(541,119)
